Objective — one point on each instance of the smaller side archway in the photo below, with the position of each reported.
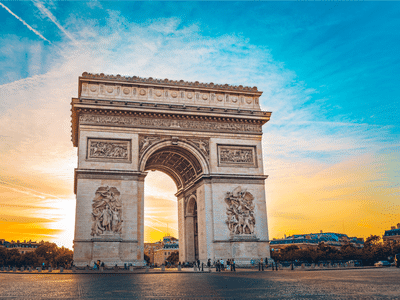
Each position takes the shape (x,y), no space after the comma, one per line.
(191,230)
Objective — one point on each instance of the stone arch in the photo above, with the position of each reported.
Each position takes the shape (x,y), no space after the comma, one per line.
(178,159)
(191,206)
(124,126)
(191,229)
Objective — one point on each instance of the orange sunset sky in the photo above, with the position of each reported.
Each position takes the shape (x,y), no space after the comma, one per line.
(328,72)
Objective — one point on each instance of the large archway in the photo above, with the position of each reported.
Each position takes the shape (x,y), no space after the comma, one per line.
(186,166)
(206,137)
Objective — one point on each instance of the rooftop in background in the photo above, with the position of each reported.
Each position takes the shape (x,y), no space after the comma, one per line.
(392,234)
(22,247)
(313,239)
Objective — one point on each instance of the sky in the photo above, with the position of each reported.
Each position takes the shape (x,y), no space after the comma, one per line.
(329,73)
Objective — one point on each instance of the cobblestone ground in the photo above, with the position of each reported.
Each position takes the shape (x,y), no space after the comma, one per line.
(332,284)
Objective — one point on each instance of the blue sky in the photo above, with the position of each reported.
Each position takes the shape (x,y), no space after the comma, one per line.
(329,72)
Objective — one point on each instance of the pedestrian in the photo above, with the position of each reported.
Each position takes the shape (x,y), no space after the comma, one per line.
(233,265)
(209,263)
(222,264)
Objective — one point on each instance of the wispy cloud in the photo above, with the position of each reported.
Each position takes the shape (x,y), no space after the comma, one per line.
(307,155)
(26,24)
(45,11)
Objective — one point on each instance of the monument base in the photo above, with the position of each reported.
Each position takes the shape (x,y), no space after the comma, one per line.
(243,249)
(111,252)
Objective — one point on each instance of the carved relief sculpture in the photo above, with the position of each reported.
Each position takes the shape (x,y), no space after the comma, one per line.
(106,211)
(108,149)
(167,123)
(240,211)
(202,145)
(236,155)
(146,141)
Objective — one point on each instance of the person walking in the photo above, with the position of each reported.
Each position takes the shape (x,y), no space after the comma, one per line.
(233,266)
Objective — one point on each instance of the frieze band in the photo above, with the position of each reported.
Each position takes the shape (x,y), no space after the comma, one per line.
(91,119)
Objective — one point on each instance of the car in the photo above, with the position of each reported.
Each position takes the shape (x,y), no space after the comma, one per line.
(382,263)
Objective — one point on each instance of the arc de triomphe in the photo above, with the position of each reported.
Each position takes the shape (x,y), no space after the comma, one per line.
(206,137)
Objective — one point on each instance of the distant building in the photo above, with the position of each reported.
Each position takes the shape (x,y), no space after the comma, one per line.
(169,245)
(22,247)
(312,240)
(150,248)
(393,234)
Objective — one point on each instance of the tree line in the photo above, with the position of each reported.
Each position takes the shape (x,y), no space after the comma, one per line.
(47,253)
(374,250)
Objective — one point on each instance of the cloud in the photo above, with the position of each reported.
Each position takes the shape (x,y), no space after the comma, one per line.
(313,161)
(45,11)
(26,24)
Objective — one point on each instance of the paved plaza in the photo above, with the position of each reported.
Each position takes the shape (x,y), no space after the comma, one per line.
(329,284)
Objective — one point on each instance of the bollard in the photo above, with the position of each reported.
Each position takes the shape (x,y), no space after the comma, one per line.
(39,269)
(14,269)
(147,269)
(61,269)
(162,268)
(22,269)
(50,269)
(179,268)
(29,269)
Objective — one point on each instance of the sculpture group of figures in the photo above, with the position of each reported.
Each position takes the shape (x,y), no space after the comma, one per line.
(107,149)
(106,213)
(240,211)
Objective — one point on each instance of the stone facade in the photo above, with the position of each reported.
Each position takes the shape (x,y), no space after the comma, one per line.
(206,137)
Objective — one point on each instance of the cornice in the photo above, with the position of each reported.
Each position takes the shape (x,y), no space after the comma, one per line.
(165,107)
(168,82)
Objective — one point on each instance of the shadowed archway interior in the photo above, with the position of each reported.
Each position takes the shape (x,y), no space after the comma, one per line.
(181,165)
